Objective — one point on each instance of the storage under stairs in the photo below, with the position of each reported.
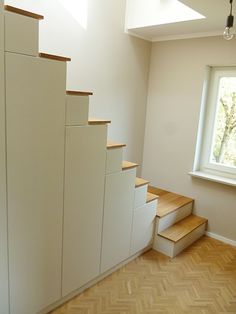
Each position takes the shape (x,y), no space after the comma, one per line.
(76,211)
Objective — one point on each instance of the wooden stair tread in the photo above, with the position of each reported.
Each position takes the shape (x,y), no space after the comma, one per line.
(10,8)
(151,197)
(128,165)
(169,202)
(53,57)
(111,145)
(182,228)
(140,182)
(98,121)
(78,93)
(157,191)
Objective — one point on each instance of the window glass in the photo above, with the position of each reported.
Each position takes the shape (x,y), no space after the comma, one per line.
(223,150)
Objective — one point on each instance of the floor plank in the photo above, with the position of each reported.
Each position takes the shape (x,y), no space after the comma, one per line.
(201,280)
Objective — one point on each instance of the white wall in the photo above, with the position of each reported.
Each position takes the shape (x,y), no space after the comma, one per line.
(105,60)
(175,85)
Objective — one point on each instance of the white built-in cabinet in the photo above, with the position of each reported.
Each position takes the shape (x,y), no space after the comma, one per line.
(4,304)
(66,206)
(83,212)
(143,226)
(35,115)
(118,215)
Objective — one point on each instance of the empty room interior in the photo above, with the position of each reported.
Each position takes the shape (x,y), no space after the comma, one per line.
(117,157)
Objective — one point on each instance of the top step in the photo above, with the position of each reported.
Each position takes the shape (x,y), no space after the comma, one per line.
(168,202)
(9,8)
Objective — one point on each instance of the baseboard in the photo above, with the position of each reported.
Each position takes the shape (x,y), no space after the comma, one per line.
(93,282)
(220,238)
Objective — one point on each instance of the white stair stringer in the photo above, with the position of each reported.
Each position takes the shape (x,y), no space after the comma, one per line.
(170,219)
(171,248)
(77,110)
(140,196)
(114,160)
(21,34)
(143,227)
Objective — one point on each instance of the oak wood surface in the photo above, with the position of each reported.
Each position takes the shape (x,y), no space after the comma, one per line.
(98,121)
(111,144)
(128,165)
(53,57)
(78,93)
(182,228)
(151,197)
(140,182)
(23,12)
(168,202)
(200,280)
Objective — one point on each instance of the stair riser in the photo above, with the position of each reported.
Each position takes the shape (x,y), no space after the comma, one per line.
(140,196)
(21,34)
(171,248)
(143,227)
(114,160)
(170,219)
(77,110)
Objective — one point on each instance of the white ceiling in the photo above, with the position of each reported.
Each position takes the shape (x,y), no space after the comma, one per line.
(215,11)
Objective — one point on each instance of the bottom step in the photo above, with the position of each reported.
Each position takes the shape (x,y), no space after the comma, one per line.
(176,238)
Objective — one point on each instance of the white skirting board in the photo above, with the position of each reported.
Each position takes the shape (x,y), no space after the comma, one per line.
(220,238)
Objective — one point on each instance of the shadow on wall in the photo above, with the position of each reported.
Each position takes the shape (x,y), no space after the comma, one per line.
(78,9)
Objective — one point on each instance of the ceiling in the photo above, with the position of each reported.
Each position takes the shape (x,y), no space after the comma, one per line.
(215,11)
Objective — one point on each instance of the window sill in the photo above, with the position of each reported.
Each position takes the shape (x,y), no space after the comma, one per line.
(214,178)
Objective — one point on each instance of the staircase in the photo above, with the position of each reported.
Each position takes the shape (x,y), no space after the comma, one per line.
(176,226)
(76,210)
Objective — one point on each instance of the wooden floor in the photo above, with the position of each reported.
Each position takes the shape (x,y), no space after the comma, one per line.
(200,280)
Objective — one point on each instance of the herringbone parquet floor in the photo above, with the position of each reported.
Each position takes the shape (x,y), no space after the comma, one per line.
(201,280)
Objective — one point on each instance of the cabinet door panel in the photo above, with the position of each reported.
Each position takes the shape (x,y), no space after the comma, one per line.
(118,213)
(4,307)
(35,105)
(143,226)
(84,193)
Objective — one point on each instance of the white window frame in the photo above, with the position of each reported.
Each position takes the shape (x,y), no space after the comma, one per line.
(202,166)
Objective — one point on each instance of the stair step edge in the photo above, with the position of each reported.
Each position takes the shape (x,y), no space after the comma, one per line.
(174,233)
(98,121)
(53,57)
(126,165)
(12,9)
(151,197)
(78,93)
(111,145)
(140,182)
(174,209)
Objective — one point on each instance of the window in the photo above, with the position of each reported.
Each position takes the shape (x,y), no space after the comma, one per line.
(216,148)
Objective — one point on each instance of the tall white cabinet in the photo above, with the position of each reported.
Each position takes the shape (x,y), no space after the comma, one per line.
(4,306)
(35,115)
(84,191)
(66,198)
(118,215)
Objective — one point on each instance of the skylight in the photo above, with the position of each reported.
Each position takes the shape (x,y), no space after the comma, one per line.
(158,12)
